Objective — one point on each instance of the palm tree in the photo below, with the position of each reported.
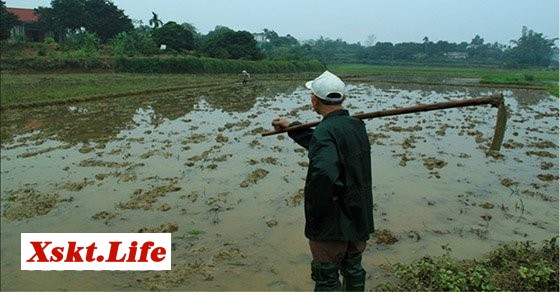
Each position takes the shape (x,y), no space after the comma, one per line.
(426,41)
(155,21)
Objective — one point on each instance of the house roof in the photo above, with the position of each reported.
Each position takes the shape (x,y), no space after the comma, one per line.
(24,14)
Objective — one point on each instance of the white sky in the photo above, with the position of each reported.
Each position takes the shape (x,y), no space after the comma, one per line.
(353,20)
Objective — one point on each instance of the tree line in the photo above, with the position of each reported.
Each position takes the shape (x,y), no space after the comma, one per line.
(89,24)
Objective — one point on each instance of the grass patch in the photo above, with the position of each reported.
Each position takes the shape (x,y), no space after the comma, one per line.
(424,71)
(29,88)
(545,79)
(516,267)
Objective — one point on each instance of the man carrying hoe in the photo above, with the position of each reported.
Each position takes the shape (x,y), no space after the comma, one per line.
(338,188)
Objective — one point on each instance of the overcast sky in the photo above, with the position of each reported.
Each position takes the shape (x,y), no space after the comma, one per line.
(354,20)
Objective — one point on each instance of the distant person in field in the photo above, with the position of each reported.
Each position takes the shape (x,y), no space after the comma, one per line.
(338,192)
(246,76)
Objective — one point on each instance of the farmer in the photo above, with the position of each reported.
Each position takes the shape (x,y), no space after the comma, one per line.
(245,76)
(338,187)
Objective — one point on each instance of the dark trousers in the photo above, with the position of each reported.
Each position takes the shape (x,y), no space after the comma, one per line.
(335,251)
(332,257)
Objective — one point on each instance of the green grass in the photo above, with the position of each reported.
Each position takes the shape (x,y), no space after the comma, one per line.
(424,71)
(29,88)
(545,79)
(520,266)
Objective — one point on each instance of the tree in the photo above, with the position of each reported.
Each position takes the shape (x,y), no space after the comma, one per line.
(370,41)
(381,51)
(190,27)
(7,21)
(105,19)
(477,41)
(426,41)
(46,21)
(134,43)
(174,36)
(68,14)
(225,43)
(531,49)
(100,17)
(62,17)
(155,21)
(277,46)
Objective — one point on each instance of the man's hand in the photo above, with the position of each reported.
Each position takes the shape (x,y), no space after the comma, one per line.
(280,123)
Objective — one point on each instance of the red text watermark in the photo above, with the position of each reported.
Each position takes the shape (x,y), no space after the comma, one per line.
(96,251)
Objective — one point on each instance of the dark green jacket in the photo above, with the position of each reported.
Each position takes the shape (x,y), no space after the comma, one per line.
(338,187)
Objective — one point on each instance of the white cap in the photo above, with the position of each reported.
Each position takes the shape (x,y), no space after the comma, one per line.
(327,87)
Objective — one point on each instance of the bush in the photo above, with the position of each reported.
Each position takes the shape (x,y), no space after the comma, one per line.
(57,64)
(174,36)
(82,41)
(516,267)
(192,64)
(132,44)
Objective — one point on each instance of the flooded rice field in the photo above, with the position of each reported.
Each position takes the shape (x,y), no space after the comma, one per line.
(193,163)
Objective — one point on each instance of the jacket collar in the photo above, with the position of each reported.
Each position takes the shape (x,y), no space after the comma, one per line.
(340,112)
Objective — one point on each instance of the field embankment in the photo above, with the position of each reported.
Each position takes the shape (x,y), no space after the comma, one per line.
(164,64)
(29,90)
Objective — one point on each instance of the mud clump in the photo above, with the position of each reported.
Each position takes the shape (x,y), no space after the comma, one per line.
(431,162)
(408,143)
(510,144)
(28,203)
(228,254)
(442,129)
(77,186)
(547,177)
(194,139)
(222,138)
(543,144)
(487,205)
(192,196)
(100,163)
(35,153)
(146,200)
(508,182)
(163,280)
(486,217)
(105,216)
(374,138)
(546,165)
(416,128)
(404,159)
(271,223)
(385,237)
(163,228)
(295,199)
(86,149)
(151,153)
(541,154)
(254,177)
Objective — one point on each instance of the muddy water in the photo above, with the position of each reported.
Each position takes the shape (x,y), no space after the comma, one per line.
(194,164)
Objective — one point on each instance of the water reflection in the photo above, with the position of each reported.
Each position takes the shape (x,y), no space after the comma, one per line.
(105,119)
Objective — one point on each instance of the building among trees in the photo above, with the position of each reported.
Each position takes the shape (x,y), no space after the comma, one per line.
(28,29)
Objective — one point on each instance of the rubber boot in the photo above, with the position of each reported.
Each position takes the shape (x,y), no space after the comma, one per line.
(325,276)
(353,273)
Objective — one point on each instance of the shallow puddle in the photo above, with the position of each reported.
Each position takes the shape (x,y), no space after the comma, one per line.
(194,164)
